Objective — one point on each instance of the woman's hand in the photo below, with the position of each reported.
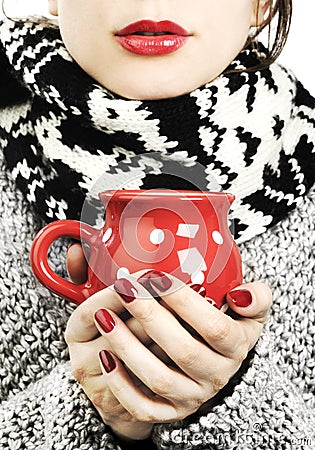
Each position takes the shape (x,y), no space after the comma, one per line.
(153,369)
(202,366)
(84,346)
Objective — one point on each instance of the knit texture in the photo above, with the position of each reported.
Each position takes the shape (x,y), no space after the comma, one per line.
(251,134)
(42,406)
(271,405)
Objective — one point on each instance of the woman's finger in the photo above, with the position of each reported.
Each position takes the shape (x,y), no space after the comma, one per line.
(81,326)
(231,338)
(84,360)
(157,376)
(76,263)
(87,371)
(82,332)
(252,303)
(195,358)
(252,300)
(140,405)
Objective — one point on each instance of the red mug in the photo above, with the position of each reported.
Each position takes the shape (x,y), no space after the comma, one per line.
(183,233)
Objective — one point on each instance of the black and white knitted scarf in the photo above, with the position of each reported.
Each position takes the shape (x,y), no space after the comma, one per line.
(251,132)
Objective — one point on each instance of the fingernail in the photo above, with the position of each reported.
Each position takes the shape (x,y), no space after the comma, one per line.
(156,278)
(105,320)
(107,361)
(241,297)
(143,279)
(201,290)
(145,282)
(125,289)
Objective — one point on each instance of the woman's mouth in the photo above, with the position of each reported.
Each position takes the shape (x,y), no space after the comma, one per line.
(150,38)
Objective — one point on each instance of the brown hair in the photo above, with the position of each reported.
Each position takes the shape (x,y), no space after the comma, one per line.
(280,11)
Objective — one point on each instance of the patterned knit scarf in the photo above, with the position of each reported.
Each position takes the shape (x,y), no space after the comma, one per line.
(250,133)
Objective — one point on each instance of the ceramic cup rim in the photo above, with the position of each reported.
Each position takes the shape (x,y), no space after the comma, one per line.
(143,194)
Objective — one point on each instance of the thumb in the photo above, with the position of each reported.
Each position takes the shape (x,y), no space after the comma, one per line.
(76,264)
(252,300)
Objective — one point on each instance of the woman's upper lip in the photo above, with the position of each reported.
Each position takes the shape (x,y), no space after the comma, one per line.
(149,26)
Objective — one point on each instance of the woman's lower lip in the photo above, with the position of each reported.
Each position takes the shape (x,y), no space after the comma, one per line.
(151,45)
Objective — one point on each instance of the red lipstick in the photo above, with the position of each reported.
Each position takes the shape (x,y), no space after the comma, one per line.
(150,38)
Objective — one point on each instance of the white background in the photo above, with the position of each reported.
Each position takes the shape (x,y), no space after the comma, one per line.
(299,53)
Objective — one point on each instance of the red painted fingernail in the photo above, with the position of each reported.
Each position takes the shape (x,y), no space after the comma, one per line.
(241,297)
(156,278)
(160,281)
(125,289)
(105,320)
(147,275)
(107,361)
(145,282)
(201,290)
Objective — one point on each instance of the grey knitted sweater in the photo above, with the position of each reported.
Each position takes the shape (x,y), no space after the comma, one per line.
(269,406)
(269,403)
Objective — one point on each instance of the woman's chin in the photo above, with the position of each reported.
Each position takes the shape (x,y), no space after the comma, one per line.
(153,91)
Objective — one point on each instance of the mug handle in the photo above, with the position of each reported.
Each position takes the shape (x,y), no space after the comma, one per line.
(76,293)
